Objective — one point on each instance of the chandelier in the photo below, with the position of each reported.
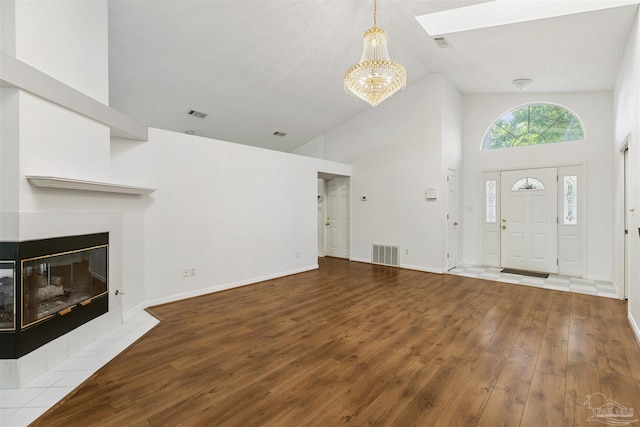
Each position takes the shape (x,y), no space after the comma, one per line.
(376,77)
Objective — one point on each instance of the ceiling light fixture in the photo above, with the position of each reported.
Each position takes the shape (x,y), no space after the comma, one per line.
(523,84)
(376,77)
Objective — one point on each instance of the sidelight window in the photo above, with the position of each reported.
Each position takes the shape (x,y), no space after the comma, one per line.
(570,199)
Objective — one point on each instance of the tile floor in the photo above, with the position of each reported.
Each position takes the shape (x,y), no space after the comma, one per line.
(20,407)
(554,281)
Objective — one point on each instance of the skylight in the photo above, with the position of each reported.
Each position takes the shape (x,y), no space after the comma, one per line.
(503,12)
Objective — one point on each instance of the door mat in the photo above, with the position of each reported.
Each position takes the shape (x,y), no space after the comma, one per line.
(525,273)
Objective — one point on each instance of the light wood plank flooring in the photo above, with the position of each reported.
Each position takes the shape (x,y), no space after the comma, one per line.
(363,345)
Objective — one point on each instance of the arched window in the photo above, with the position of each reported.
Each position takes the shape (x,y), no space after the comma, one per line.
(533,124)
(527,184)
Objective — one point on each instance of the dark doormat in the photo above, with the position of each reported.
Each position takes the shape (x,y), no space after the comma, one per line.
(525,273)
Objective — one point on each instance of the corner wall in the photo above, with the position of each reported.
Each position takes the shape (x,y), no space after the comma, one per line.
(399,149)
(41,138)
(236,214)
(627,124)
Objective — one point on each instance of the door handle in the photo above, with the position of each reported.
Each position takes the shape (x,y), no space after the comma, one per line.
(327,224)
(455,223)
(504,227)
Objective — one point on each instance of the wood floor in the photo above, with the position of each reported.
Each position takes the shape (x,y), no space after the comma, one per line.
(363,345)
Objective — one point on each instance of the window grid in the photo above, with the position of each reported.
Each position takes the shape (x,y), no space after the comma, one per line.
(533,124)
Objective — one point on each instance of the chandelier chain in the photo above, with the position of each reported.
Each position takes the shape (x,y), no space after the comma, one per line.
(374,13)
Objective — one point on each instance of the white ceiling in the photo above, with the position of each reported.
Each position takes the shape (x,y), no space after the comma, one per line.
(257,67)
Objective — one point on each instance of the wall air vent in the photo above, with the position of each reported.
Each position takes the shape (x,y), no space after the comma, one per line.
(278,133)
(198,114)
(442,42)
(385,255)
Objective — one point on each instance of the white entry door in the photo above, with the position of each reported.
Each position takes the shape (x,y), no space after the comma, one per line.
(452,220)
(528,220)
(338,218)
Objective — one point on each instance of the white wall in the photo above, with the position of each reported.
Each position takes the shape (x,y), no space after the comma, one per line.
(66,39)
(481,110)
(627,124)
(237,214)
(398,150)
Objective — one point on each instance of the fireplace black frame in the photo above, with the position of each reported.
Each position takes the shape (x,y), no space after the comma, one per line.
(21,341)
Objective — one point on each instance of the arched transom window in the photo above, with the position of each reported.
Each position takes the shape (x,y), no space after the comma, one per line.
(533,124)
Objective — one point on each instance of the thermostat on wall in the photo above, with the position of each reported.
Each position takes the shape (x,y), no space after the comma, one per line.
(432,193)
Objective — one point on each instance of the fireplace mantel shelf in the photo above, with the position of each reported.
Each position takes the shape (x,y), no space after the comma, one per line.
(77,184)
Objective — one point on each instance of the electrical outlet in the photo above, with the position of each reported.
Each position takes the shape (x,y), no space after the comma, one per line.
(193,271)
(406,251)
(185,272)
(297,254)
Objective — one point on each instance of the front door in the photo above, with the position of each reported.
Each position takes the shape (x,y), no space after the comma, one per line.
(338,218)
(528,220)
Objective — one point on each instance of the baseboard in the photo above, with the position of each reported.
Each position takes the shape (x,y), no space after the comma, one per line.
(133,312)
(224,287)
(406,266)
(634,328)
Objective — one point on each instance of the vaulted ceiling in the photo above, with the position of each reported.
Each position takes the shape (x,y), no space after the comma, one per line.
(264,66)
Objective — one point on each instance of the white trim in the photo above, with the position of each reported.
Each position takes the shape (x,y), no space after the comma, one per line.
(133,312)
(405,266)
(78,184)
(225,286)
(424,269)
(634,327)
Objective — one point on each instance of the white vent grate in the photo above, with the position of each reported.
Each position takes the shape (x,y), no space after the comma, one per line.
(385,254)
(442,42)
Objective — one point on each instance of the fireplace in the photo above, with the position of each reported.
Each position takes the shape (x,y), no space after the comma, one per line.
(50,287)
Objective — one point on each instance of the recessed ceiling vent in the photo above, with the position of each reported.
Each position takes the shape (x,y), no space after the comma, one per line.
(198,114)
(278,133)
(442,42)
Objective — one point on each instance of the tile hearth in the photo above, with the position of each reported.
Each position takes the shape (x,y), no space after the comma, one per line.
(20,407)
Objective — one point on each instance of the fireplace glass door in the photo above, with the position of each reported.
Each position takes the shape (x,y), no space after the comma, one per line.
(52,285)
(7,295)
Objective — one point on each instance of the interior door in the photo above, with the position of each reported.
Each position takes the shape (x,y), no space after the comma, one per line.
(529,219)
(452,220)
(338,218)
(625,210)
